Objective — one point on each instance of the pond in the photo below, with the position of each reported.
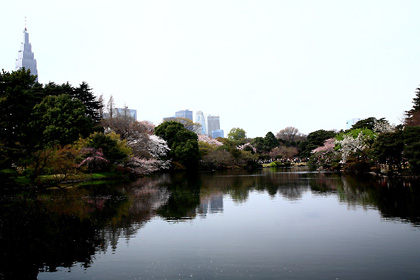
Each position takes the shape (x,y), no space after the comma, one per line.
(267,224)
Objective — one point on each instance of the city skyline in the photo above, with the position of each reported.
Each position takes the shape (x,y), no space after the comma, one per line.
(262,65)
(210,125)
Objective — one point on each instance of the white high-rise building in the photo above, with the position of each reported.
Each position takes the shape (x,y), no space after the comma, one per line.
(199,118)
(26,58)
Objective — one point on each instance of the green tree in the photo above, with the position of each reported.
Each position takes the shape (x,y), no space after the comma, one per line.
(237,134)
(314,140)
(114,150)
(182,142)
(259,143)
(270,141)
(368,123)
(412,116)
(19,93)
(60,120)
(411,136)
(54,89)
(388,148)
(92,104)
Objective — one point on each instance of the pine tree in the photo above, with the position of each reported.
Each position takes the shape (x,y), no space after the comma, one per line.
(412,117)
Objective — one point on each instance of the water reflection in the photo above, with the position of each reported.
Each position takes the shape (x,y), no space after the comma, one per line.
(62,228)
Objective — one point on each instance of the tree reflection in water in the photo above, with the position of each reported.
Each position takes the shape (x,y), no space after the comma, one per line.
(41,231)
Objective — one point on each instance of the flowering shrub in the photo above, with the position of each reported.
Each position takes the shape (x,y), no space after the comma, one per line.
(382,126)
(328,146)
(95,159)
(209,140)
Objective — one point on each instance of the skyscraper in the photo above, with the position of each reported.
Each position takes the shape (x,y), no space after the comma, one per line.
(199,118)
(186,114)
(26,56)
(213,123)
(218,133)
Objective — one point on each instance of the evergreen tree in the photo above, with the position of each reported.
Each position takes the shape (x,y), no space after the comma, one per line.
(270,141)
(19,93)
(93,105)
(412,117)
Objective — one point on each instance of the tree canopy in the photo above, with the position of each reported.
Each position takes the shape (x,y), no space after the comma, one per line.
(60,120)
(412,116)
(237,134)
(33,115)
(182,142)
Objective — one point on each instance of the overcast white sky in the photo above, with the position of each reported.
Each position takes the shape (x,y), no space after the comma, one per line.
(259,65)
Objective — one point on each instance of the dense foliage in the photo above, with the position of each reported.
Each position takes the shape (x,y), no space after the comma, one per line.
(57,132)
(63,131)
(182,142)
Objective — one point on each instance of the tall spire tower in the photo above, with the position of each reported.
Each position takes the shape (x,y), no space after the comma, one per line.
(26,56)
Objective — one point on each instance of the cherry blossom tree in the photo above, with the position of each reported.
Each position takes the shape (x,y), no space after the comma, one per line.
(209,140)
(158,150)
(383,126)
(150,127)
(157,147)
(325,157)
(328,146)
(143,166)
(94,160)
(355,146)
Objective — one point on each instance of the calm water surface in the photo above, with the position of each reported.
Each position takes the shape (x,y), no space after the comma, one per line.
(270,224)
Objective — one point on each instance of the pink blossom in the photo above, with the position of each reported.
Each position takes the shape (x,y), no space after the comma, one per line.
(96,156)
(328,146)
(209,140)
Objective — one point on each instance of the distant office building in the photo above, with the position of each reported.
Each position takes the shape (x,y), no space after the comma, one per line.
(213,123)
(186,114)
(218,133)
(122,112)
(168,119)
(351,122)
(126,111)
(199,118)
(26,58)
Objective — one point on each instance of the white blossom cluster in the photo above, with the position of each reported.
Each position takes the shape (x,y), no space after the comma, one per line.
(147,166)
(383,127)
(350,145)
(241,147)
(157,147)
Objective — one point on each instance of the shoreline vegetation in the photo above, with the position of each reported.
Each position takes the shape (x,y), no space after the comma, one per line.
(56,135)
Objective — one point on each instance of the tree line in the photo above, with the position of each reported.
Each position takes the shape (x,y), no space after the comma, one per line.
(62,132)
